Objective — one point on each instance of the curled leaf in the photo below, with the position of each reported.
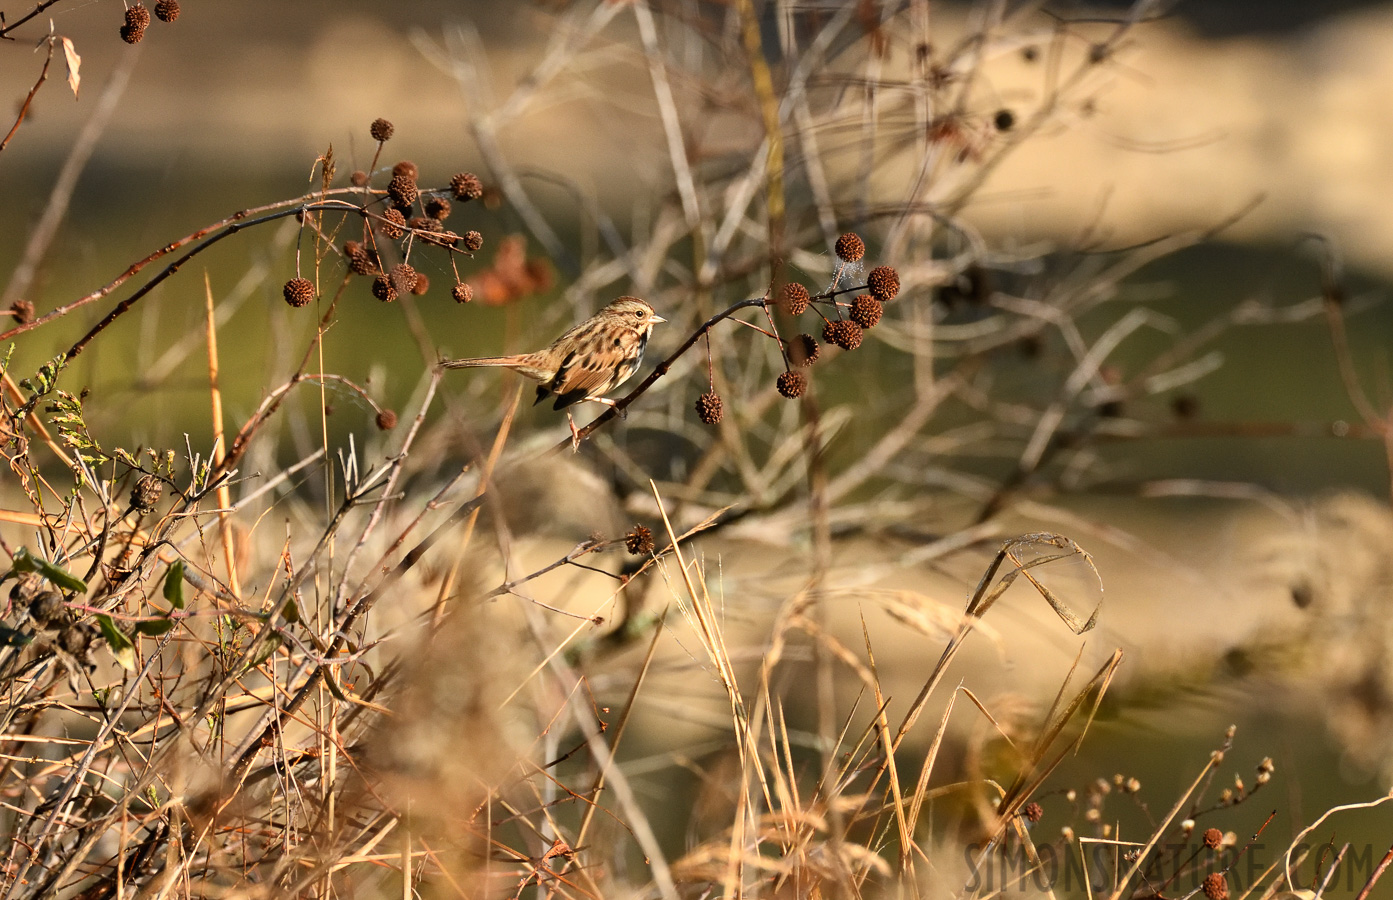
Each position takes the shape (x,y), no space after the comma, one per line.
(74,65)
(121,646)
(155,627)
(174,584)
(24,561)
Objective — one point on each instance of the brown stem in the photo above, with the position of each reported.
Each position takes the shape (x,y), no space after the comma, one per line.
(28,101)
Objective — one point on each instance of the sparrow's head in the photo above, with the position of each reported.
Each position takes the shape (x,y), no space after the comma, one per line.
(633,312)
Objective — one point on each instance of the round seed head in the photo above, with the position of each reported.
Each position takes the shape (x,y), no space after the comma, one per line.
(792,384)
(421,286)
(844,334)
(1216,886)
(708,408)
(23,312)
(382,289)
(850,247)
(466,186)
(361,260)
(639,541)
(130,34)
(883,283)
(402,190)
(803,350)
(403,277)
(146,493)
(47,607)
(167,10)
(425,223)
(462,293)
(866,311)
(438,208)
(406,167)
(393,225)
(1213,837)
(1033,811)
(137,16)
(381,130)
(386,420)
(359,178)
(298,292)
(795,299)
(473,241)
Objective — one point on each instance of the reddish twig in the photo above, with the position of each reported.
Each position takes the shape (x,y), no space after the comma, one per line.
(29,100)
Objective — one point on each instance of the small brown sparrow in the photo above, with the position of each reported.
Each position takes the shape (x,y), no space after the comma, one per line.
(591,359)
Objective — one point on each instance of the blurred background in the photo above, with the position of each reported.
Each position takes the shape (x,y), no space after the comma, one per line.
(1249,586)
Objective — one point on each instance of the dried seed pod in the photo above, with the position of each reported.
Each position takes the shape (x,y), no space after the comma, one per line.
(1216,886)
(883,283)
(298,292)
(1213,837)
(466,186)
(393,225)
(462,293)
(866,311)
(381,130)
(709,408)
(167,10)
(803,350)
(438,208)
(146,493)
(844,334)
(130,34)
(792,384)
(382,289)
(361,261)
(403,277)
(23,312)
(359,178)
(473,241)
(421,286)
(386,420)
(639,541)
(850,247)
(138,16)
(406,167)
(795,299)
(1033,811)
(402,190)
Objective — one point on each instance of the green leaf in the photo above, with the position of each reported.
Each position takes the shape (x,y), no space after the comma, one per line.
(271,645)
(121,646)
(155,627)
(174,584)
(9,637)
(24,561)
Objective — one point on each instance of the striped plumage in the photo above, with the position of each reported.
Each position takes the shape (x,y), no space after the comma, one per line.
(588,361)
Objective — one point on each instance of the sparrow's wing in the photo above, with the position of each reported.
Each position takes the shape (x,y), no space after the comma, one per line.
(581,376)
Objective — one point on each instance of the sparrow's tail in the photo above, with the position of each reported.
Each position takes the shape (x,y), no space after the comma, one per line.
(524,364)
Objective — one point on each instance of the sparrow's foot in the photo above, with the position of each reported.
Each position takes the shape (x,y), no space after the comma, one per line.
(575,434)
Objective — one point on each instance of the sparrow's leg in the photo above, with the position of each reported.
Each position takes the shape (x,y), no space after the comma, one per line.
(575,433)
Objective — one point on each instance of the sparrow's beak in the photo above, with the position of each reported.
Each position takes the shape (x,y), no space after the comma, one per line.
(657,319)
